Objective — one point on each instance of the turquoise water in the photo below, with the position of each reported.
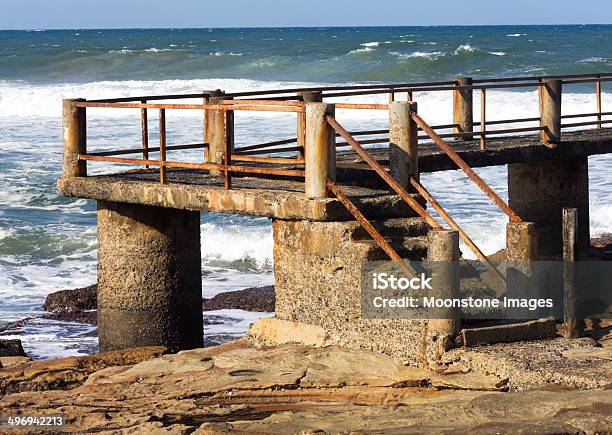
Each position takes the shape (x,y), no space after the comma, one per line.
(48,242)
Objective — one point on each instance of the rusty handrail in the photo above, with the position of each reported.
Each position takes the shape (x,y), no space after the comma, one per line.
(379,88)
(190,165)
(383,173)
(466,169)
(363,221)
(454,225)
(227,107)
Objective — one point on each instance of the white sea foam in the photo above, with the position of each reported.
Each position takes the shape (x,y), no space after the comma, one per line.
(465,48)
(232,243)
(516,35)
(370,44)
(432,55)
(497,53)
(6,232)
(361,50)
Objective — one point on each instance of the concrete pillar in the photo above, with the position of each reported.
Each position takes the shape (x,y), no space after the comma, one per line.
(308,97)
(220,131)
(403,138)
(538,192)
(550,116)
(463,108)
(521,252)
(443,255)
(206,119)
(149,277)
(521,241)
(320,163)
(74,131)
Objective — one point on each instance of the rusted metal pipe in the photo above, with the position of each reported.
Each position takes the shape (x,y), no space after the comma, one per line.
(466,168)
(383,173)
(363,221)
(454,225)
(162,146)
(598,98)
(144,127)
(483,118)
(190,165)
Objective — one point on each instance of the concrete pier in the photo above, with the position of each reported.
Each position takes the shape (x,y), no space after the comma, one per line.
(318,270)
(539,191)
(149,277)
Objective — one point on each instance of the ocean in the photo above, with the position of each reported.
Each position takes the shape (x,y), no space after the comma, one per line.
(48,242)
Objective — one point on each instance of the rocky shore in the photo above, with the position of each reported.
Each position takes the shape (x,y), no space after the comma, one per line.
(552,386)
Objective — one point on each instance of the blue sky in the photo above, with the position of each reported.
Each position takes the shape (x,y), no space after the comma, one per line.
(54,14)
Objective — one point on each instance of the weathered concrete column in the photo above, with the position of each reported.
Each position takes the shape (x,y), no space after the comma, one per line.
(443,254)
(463,108)
(307,97)
(550,116)
(221,132)
(74,130)
(403,138)
(538,192)
(521,241)
(320,162)
(206,121)
(149,277)
(521,252)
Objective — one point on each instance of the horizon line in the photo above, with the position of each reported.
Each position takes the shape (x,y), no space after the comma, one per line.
(34,29)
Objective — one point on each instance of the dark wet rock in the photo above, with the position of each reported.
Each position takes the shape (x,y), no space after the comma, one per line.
(11,348)
(86,317)
(80,305)
(66,302)
(257,299)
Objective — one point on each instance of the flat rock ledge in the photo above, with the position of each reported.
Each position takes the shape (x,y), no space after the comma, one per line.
(239,387)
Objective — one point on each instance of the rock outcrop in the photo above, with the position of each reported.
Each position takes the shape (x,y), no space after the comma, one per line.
(76,305)
(257,299)
(79,305)
(11,348)
(237,387)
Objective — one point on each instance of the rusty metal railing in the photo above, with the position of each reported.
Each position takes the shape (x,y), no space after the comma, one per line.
(413,203)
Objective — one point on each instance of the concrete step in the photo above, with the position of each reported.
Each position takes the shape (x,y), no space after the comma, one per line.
(410,248)
(393,229)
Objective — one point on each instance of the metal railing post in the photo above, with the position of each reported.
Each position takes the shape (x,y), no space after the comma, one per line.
(144,129)
(598,98)
(483,118)
(320,149)
(162,145)
(74,133)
